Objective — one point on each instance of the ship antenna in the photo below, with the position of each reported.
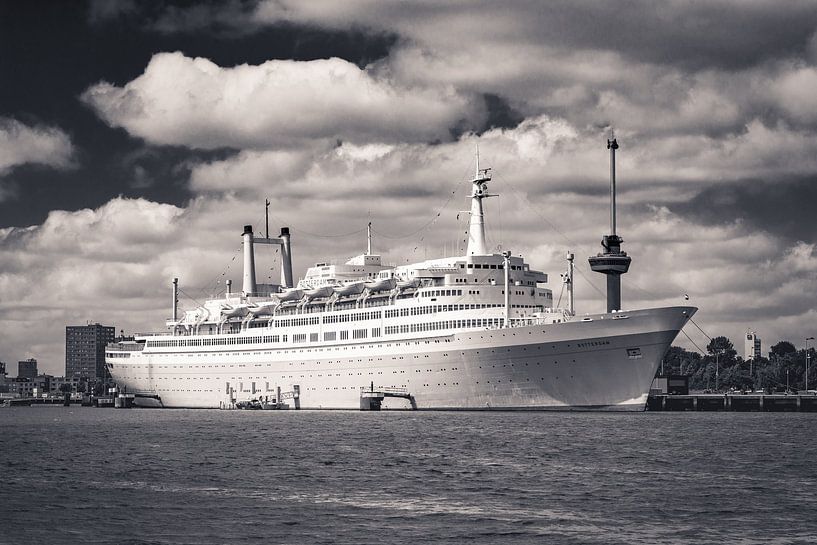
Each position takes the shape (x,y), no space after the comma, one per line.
(175,303)
(569,282)
(266,215)
(369,239)
(612,145)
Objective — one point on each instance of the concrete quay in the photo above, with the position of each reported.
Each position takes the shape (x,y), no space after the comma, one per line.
(733,402)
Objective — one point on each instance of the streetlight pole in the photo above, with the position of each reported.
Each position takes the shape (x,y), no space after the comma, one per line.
(717,354)
(808,360)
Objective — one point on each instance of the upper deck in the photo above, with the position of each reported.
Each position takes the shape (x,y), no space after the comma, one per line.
(338,296)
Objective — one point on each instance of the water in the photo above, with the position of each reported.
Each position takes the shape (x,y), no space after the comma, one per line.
(84,475)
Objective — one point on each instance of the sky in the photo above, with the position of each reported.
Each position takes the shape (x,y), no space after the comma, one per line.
(137,138)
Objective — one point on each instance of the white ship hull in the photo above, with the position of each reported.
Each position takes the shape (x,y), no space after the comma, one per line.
(604,362)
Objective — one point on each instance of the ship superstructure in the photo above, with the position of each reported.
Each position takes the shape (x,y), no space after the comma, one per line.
(469,332)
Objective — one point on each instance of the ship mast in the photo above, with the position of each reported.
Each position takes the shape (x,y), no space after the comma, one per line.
(476,229)
(506,266)
(569,281)
(175,303)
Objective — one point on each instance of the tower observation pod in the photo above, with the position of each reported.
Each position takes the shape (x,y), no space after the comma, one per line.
(612,261)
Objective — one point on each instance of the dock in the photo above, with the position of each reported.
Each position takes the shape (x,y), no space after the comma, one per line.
(733,402)
(121,401)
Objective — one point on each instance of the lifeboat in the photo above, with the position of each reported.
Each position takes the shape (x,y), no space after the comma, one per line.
(383,284)
(264,309)
(238,310)
(289,295)
(352,288)
(405,284)
(315,293)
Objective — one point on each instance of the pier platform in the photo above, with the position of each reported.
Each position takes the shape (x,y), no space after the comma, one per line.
(371,399)
(733,402)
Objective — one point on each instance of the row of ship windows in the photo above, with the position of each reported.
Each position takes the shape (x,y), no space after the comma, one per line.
(255,339)
(492,266)
(493,366)
(351,374)
(353,317)
(316,349)
(292,322)
(254,390)
(446,324)
(426,385)
(434,309)
(217,341)
(440,293)
(394,313)
(328,336)
(352,361)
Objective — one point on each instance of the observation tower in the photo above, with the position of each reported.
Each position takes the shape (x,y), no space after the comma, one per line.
(612,261)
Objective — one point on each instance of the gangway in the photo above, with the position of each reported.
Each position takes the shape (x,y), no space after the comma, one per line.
(371,399)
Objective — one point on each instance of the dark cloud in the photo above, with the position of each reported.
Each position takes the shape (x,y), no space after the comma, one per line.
(697,35)
(784,208)
(719,34)
(500,113)
(233,17)
(106,10)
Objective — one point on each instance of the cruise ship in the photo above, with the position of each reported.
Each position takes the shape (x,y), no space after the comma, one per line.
(475,331)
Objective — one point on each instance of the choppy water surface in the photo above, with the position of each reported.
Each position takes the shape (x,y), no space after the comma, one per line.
(84,475)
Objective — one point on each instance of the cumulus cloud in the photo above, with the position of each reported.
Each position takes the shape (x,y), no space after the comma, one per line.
(676,68)
(110,264)
(22,144)
(259,170)
(193,102)
(710,102)
(113,264)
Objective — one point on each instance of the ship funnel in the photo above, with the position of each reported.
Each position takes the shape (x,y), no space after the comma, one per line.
(612,261)
(286,259)
(249,286)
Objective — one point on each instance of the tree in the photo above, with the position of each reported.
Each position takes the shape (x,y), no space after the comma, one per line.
(722,346)
(733,371)
(782,348)
(766,374)
(677,361)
